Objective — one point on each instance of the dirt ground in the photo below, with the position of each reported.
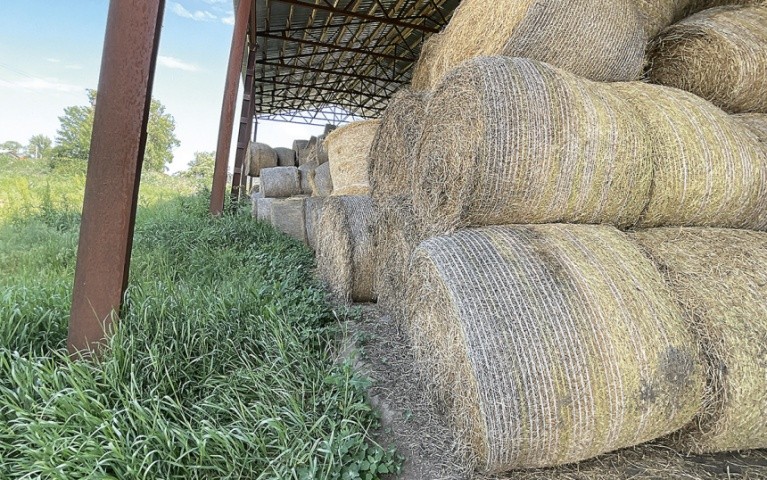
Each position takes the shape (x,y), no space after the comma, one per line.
(413,423)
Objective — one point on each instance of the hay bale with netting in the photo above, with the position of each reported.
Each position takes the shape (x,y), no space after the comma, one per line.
(719,278)
(348,152)
(287,216)
(512,140)
(280,182)
(395,236)
(708,170)
(756,123)
(320,181)
(345,248)
(286,157)
(313,212)
(550,344)
(719,54)
(602,41)
(306,171)
(254,196)
(394,148)
(264,209)
(261,156)
(426,68)
(656,15)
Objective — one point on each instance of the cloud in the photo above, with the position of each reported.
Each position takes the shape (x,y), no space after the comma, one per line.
(39,84)
(197,15)
(53,60)
(73,66)
(217,2)
(172,62)
(228,20)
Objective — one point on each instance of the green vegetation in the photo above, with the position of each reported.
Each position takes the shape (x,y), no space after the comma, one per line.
(200,169)
(224,364)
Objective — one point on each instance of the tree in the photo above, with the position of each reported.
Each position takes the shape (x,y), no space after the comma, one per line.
(74,136)
(201,168)
(39,146)
(11,147)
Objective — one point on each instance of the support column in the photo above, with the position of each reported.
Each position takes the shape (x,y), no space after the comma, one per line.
(227,108)
(114,169)
(246,126)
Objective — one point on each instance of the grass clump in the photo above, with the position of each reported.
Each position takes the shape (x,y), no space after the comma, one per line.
(223,365)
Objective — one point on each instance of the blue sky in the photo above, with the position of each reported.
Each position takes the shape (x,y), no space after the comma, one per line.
(50,53)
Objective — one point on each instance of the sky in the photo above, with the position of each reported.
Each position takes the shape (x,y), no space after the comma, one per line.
(50,53)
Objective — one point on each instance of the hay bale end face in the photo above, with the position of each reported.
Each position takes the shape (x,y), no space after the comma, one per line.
(320,181)
(264,209)
(719,54)
(550,344)
(719,277)
(345,260)
(280,182)
(261,156)
(512,140)
(286,157)
(254,196)
(287,216)
(348,149)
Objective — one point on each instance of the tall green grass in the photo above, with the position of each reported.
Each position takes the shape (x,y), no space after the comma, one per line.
(223,364)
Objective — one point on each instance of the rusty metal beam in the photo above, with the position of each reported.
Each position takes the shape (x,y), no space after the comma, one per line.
(364,16)
(228,105)
(246,125)
(114,170)
(335,47)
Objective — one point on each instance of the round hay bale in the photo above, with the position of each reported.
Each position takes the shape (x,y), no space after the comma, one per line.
(286,157)
(512,140)
(306,171)
(261,156)
(320,181)
(313,210)
(345,248)
(394,149)
(280,182)
(756,123)
(719,54)
(550,344)
(719,278)
(308,154)
(395,236)
(254,196)
(602,41)
(288,217)
(425,68)
(708,170)
(656,15)
(264,209)
(348,150)
(322,152)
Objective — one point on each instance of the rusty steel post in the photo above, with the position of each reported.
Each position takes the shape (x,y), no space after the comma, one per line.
(246,125)
(114,169)
(227,108)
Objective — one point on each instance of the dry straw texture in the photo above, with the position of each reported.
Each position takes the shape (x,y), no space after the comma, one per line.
(313,213)
(348,149)
(394,149)
(718,54)
(280,182)
(511,140)
(308,154)
(756,123)
(345,247)
(287,216)
(305,173)
(551,344)
(708,170)
(320,181)
(720,279)
(426,70)
(286,157)
(254,196)
(264,209)
(602,41)
(260,156)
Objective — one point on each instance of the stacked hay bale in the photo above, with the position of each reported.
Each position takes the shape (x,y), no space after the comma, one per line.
(756,123)
(719,277)
(280,201)
(658,14)
(598,40)
(719,54)
(348,148)
(260,155)
(286,157)
(550,343)
(345,247)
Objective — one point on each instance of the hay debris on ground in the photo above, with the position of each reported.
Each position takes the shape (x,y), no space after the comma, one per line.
(313,213)
(320,181)
(345,260)
(394,149)
(719,54)
(348,150)
(551,344)
(280,182)
(512,140)
(719,278)
(260,156)
(287,216)
(286,157)
(707,169)
(603,41)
